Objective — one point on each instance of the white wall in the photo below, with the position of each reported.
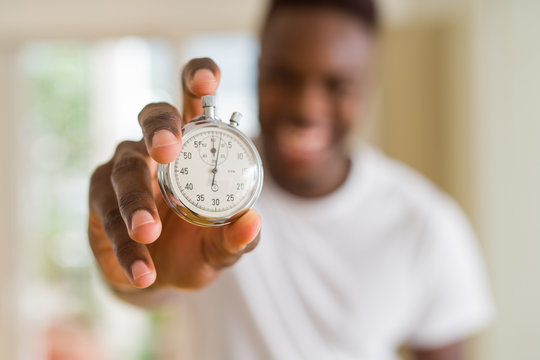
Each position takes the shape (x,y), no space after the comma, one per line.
(506,137)
(471,82)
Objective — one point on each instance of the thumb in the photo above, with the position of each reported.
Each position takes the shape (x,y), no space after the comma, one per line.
(239,236)
(232,241)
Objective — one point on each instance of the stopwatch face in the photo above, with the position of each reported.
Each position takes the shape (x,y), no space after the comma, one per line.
(217,176)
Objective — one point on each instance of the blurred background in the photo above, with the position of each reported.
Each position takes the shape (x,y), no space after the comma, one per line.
(458,99)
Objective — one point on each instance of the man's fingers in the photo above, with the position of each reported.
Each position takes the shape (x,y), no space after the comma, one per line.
(236,239)
(199,77)
(104,254)
(161,126)
(132,257)
(135,259)
(131,179)
(161,123)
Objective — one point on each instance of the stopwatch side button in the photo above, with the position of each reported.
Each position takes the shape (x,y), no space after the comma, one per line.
(235,118)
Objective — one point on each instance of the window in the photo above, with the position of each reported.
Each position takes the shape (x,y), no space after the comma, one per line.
(81,99)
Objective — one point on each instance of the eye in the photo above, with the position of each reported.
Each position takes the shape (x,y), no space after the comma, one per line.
(282,78)
(339,86)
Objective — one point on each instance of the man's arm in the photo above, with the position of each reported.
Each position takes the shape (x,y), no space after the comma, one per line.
(448,352)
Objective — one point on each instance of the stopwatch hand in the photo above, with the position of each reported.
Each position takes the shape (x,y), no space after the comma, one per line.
(216,163)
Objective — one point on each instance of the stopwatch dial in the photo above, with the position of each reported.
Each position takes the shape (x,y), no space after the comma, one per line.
(216,173)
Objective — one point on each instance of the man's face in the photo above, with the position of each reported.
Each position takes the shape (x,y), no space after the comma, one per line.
(314,69)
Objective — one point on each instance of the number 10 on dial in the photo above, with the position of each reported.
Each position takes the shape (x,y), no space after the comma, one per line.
(218,175)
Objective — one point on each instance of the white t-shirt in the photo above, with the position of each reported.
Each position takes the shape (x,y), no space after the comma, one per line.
(383,261)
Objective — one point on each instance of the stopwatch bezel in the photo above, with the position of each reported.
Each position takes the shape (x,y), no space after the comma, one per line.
(165,179)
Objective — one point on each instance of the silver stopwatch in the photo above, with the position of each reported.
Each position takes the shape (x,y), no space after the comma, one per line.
(218,176)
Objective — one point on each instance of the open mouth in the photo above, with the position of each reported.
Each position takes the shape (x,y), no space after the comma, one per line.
(302,144)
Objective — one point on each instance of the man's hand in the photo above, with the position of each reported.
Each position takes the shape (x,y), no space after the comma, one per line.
(136,239)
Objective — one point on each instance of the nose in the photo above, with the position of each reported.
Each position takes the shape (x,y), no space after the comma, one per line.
(311,104)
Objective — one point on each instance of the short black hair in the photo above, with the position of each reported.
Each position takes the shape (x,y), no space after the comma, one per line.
(365,11)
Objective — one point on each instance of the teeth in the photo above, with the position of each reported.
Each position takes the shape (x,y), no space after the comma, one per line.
(303,142)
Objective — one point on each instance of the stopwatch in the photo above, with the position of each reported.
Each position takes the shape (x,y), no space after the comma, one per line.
(218,175)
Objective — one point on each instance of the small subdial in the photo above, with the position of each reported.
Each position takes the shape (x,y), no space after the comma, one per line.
(211,147)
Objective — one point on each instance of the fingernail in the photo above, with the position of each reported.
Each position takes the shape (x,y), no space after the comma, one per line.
(163,138)
(203,75)
(243,247)
(140,218)
(260,225)
(139,269)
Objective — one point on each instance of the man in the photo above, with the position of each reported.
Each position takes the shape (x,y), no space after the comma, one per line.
(359,255)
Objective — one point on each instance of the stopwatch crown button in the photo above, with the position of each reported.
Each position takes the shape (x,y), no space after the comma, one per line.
(208,101)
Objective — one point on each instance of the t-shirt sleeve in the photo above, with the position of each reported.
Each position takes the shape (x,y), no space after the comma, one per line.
(457,301)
